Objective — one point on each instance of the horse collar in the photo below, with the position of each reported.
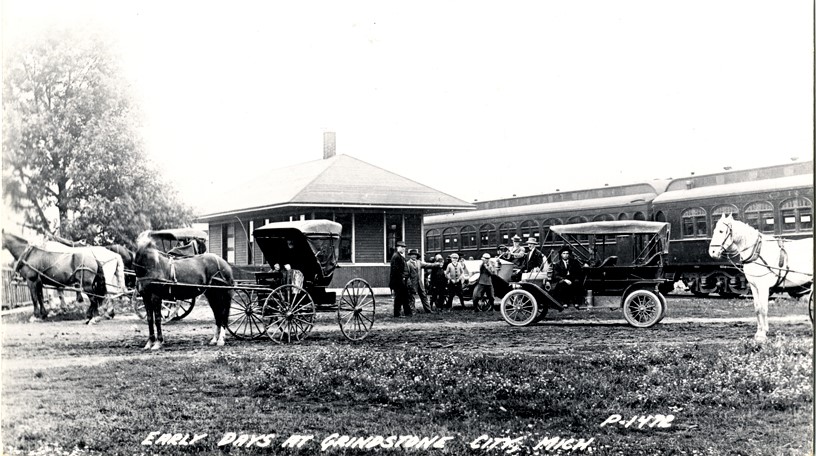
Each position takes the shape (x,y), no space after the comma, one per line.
(754,251)
(21,260)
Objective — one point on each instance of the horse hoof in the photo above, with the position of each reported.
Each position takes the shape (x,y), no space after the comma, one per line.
(212,342)
(34,319)
(220,343)
(156,346)
(147,346)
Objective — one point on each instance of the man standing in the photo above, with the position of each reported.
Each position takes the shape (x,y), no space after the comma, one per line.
(534,259)
(484,288)
(567,276)
(455,274)
(398,281)
(416,287)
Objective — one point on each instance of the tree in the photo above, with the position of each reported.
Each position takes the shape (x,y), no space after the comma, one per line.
(73,160)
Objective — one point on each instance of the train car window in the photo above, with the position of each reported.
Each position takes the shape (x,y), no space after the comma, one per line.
(623,216)
(603,218)
(760,215)
(506,232)
(528,229)
(694,222)
(660,216)
(487,236)
(433,241)
(450,239)
(468,236)
(727,209)
(797,214)
(639,216)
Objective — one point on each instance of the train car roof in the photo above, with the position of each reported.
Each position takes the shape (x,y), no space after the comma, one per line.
(611,227)
(738,188)
(537,209)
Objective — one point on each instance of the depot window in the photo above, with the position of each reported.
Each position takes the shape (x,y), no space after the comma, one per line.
(797,214)
(693,222)
(346,237)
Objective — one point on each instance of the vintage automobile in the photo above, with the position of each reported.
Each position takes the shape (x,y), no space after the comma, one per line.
(623,262)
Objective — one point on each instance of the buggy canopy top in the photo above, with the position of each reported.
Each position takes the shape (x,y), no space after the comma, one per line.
(181,242)
(311,246)
(612,227)
(179,234)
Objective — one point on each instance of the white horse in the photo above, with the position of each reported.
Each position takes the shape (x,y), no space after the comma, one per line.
(767,262)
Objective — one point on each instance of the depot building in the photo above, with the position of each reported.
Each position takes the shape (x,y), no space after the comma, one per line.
(377,208)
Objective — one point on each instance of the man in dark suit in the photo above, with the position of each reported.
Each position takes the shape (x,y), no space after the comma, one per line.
(568,276)
(534,258)
(398,281)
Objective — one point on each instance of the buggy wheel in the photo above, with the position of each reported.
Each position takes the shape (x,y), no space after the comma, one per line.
(288,314)
(178,309)
(245,315)
(642,308)
(355,311)
(138,305)
(810,307)
(482,304)
(519,308)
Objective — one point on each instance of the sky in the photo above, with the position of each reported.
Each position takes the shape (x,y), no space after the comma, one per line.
(480,100)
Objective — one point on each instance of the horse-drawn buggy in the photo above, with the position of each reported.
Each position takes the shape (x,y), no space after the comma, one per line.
(622,269)
(175,243)
(282,303)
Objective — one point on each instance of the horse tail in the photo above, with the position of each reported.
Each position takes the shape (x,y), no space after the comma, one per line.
(99,286)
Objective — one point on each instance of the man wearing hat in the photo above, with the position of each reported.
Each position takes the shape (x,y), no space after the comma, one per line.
(398,281)
(416,287)
(484,287)
(534,258)
(502,253)
(456,275)
(517,252)
(567,278)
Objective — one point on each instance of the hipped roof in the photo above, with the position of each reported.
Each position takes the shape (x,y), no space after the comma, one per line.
(339,181)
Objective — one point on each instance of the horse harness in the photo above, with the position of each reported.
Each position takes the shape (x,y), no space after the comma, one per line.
(781,270)
(22,261)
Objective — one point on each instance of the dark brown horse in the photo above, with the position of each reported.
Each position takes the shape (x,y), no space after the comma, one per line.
(158,277)
(76,267)
(127,259)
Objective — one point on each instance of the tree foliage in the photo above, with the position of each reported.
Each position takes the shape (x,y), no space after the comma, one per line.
(73,159)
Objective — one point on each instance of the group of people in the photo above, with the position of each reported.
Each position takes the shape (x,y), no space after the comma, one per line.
(447,279)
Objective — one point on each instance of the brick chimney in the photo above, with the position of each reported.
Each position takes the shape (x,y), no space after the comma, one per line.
(329,144)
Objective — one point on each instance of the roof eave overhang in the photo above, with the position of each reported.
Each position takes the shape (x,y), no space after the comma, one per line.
(232,213)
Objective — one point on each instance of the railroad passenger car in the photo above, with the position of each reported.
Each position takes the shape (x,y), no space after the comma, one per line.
(776,200)
(473,233)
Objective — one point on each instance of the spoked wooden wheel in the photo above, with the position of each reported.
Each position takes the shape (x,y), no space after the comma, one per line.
(245,315)
(810,307)
(519,308)
(355,311)
(288,314)
(482,304)
(642,308)
(176,310)
(138,305)
(171,311)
